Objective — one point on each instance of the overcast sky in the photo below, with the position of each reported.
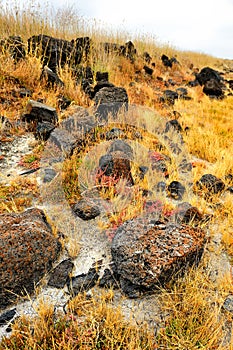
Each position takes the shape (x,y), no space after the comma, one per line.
(200,25)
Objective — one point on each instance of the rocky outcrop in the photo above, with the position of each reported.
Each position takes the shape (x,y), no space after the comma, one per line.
(57,52)
(148,253)
(27,251)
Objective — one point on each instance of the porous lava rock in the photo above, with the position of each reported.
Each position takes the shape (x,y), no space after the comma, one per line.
(86,209)
(148,253)
(27,251)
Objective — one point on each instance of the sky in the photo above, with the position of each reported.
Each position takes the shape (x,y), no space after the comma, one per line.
(202,25)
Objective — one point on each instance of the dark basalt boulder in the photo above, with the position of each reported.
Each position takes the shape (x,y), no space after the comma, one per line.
(122,146)
(168,62)
(169,97)
(148,254)
(207,74)
(27,250)
(43,131)
(213,88)
(127,50)
(147,57)
(176,190)
(173,125)
(59,276)
(50,77)
(113,167)
(209,184)
(86,209)
(110,100)
(148,70)
(37,112)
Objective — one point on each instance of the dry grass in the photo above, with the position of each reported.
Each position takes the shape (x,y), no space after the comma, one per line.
(90,323)
(195,319)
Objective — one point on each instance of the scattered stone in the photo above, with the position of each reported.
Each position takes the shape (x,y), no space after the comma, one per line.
(210,184)
(128,50)
(100,85)
(60,274)
(213,89)
(110,100)
(115,165)
(37,112)
(83,282)
(7,316)
(148,253)
(43,131)
(101,76)
(86,209)
(169,97)
(64,140)
(15,46)
(28,249)
(72,132)
(207,74)
(148,70)
(187,214)
(58,52)
(108,280)
(166,61)
(176,190)
(147,58)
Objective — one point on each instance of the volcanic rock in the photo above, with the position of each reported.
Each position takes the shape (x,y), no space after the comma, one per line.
(148,253)
(27,251)
(37,112)
(83,282)
(109,100)
(60,274)
(86,209)
(210,184)
(176,190)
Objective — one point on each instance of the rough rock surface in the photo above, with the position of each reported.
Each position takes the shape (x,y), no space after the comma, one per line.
(59,276)
(86,209)
(27,251)
(37,112)
(148,253)
(210,184)
(109,100)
